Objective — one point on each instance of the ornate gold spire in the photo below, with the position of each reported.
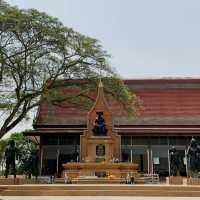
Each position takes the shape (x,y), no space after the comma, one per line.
(100,97)
(101,102)
(100,83)
(100,105)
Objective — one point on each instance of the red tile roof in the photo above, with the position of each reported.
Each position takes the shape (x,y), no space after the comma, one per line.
(165,102)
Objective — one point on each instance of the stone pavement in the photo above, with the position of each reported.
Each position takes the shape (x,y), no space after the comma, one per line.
(97,198)
(98,192)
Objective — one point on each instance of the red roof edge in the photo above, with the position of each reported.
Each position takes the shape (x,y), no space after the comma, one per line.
(164,80)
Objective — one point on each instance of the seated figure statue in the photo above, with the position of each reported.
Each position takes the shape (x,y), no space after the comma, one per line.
(99,125)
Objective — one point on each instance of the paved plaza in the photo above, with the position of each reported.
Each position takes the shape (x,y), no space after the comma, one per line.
(97,198)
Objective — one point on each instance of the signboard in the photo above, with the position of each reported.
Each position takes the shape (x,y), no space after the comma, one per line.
(156,161)
(100,150)
(185,160)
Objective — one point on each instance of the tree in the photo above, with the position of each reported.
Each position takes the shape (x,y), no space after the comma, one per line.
(3,144)
(25,149)
(37,50)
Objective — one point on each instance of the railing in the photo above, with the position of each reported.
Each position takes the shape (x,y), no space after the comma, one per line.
(148,178)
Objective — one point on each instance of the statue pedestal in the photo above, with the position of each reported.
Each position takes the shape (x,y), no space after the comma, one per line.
(118,170)
(100,152)
(175,180)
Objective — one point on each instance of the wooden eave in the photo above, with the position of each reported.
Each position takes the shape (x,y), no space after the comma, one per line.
(137,130)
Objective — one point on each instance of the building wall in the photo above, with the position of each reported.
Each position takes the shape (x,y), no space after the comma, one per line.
(150,153)
(57,149)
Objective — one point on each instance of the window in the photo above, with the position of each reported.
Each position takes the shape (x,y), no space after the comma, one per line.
(126,155)
(140,140)
(70,140)
(126,140)
(49,140)
(173,141)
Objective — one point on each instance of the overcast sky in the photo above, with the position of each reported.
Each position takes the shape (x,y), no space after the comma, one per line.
(146,38)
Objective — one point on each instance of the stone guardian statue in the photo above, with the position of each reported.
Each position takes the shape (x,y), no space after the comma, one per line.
(175,162)
(193,155)
(10,156)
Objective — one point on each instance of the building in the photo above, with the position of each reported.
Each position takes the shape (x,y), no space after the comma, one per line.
(170,117)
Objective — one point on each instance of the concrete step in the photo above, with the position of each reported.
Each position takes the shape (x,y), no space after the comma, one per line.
(113,187)
(100,190)
(91,181)
(100,193)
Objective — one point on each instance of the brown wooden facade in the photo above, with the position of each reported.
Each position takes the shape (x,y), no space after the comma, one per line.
(170,117)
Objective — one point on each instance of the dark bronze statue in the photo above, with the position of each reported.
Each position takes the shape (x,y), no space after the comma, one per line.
(198,157)
(99,125)
(193,156)
(32,163)
(10,156)
(175,162)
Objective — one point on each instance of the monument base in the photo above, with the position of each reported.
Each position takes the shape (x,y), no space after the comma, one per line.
(174,180)
(112,170)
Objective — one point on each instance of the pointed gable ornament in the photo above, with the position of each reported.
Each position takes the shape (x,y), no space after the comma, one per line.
(100,108)
(99,141)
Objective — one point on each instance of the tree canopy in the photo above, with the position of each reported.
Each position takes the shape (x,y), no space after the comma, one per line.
(37,50)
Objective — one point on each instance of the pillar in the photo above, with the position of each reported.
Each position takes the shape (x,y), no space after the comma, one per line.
(57,161)
(41,159)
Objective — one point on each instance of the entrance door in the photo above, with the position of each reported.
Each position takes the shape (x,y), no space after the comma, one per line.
(141,160)
(49,160)
(49,167)
(160,163)
(62,160)
(140,157)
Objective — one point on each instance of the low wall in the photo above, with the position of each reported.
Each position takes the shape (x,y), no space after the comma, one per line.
(174,180)
(193,181)
(22,181)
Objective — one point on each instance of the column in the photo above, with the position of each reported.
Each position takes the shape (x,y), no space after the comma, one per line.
(148,160)
(41,160)
(57,161)
(131,149)
(151,161)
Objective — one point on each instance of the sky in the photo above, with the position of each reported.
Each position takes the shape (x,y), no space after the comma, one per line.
(145,38)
